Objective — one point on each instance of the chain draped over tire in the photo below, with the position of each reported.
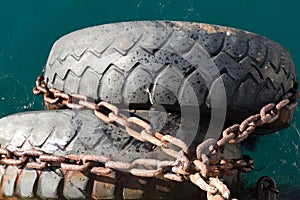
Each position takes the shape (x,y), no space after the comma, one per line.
(202,169)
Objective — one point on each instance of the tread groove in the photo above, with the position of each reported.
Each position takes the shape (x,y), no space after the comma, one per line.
(258,71)
(220,49)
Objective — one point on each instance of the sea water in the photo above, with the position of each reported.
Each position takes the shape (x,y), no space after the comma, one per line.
(29,28)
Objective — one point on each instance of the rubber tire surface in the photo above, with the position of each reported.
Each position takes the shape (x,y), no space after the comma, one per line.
(140,63)
(65,132)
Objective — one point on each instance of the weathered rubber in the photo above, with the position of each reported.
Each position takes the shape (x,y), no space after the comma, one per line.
(145,62)
(65,132)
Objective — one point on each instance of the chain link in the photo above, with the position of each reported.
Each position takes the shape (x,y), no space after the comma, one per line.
(202,169)
(268,191)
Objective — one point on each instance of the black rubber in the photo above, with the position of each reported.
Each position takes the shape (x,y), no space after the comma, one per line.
(161,62)
(65,132)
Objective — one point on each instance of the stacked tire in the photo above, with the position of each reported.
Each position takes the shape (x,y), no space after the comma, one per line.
(185,72)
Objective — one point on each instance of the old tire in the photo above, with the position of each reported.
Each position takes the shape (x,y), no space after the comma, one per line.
(173,64)
(65,132)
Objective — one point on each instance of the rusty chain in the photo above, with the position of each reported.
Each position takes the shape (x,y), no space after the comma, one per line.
(202,169)
(266,188)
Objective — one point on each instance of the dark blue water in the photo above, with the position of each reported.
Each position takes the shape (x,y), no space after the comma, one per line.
(29,28)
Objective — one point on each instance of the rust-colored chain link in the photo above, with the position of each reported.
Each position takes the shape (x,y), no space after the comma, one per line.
(201,169)
(99,165)
(236,134)
(266,188)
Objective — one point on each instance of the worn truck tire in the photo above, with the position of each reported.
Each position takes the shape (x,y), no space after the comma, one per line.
(174,64)
(65,132)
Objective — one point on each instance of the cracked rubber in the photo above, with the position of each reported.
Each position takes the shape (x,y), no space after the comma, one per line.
(65,132)
(173,64)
